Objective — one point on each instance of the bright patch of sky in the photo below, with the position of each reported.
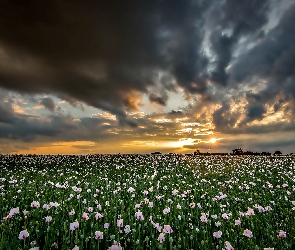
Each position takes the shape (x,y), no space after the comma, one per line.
(278,9)
(29,105)
(175,101)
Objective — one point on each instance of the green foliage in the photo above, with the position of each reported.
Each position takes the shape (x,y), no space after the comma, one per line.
(220,189)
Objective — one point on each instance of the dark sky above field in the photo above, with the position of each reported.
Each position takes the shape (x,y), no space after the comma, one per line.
(143,76)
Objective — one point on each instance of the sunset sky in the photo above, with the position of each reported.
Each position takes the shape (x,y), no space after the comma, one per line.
(80,77)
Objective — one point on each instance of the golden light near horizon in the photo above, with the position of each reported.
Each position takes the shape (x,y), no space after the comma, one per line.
(213,140)
(179,144)
(62,147)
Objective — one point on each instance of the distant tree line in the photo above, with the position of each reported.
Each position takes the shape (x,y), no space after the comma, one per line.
(239,151)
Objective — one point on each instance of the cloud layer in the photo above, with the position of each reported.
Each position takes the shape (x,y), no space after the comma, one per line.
(232,60)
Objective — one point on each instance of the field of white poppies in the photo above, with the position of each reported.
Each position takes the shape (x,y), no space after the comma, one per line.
(147,202)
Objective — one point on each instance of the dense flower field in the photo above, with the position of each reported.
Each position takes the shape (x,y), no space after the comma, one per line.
(147,202)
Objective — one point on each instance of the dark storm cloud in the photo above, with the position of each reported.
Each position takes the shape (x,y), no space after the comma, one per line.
(222,46)
(273,60)
(278,105)
(48,103)
(6,113)
(22,128)
(176,114)
(241,17)
(161,100)
(105,54)
(28,128)
(255,112)
(233,20)
(272,57)
(268,68)
(100,53)
(224,127)
(223,119)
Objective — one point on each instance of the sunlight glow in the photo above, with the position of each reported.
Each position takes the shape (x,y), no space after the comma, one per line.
(212,140)
(180,143)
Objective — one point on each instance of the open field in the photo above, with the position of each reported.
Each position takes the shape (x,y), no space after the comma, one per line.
(147,202)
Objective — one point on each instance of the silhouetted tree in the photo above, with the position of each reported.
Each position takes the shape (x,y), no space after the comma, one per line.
(197,152)
(277,153)
(238,151)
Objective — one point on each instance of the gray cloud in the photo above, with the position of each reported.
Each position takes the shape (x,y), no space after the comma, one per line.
(272,60)
(255,112)
(6,113)
(268,69)
(233,20)
(101,54)
(161,100)
(223,118)
(176,113)
(105,55)
(48,103)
